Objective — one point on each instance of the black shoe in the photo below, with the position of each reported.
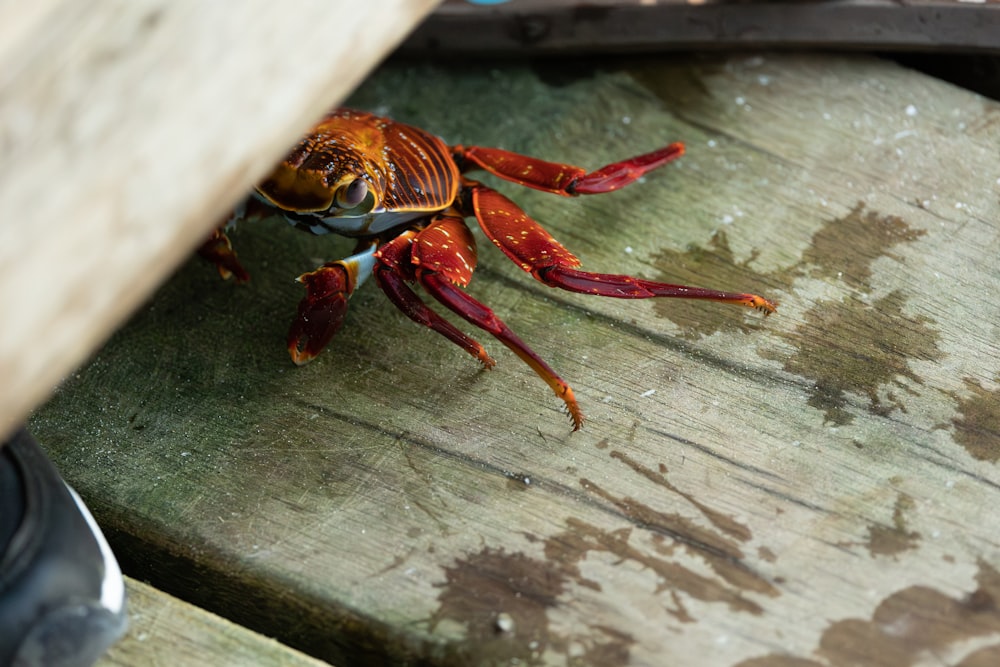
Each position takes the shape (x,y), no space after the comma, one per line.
(62,596)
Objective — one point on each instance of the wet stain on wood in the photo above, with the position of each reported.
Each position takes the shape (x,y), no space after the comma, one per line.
(977,428)
(613,650)
(857,345)
(908,626)
(845,249)
(988,656)
(573,547)
(717,546)
(502,601)
(713,267)
(852,346)
(891,540)
(485,585)
(723,522)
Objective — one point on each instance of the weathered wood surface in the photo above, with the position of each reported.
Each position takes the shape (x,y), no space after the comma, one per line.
(560,26)
(817,488)
(166,631)
(127,129)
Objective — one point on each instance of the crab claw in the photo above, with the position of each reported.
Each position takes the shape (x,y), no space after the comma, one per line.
(321,312)
(219,251)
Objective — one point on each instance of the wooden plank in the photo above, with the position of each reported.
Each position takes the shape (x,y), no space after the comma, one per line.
(166,631)
(561,26)
(127,130)
(811,489)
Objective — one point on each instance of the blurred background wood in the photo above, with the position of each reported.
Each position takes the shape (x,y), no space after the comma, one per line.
(127,129)
(570,26)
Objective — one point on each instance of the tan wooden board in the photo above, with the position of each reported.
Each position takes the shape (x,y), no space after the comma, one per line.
(817,488)
(166,631)
(561,26)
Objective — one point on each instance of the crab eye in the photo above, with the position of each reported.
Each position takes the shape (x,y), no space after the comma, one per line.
(351,195)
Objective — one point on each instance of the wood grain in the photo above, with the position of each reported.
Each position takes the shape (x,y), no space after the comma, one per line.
(813,489)
(126,131)
(166,631)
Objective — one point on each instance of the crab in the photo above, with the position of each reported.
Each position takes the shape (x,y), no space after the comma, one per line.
(403,194)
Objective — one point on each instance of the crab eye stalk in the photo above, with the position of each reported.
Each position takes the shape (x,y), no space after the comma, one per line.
(353,194)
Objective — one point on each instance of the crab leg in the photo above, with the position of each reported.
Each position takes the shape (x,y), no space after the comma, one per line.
(393,269)
(537,252)
(321,311)
(442,258)
(627,287)
(480,315)
(564,179)
(219,251)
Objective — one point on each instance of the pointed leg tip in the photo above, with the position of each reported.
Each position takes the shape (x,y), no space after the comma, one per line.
(765,306)
(575,416)
(300,358)
(237,272)
(573,408)
(301,351)
(484,357)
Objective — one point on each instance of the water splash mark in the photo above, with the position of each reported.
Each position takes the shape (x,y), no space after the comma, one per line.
(849,346)
(908,627)
(484,585)
(723,522)
(717,546)
(891,540)
(502,601)
(894,539)
(845,249)
(977,428)
(713,267)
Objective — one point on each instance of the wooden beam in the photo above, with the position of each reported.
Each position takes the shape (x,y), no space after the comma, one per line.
(561,26)
(126,131)
(161,625)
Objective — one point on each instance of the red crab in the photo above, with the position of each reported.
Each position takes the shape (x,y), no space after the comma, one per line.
(402,193)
